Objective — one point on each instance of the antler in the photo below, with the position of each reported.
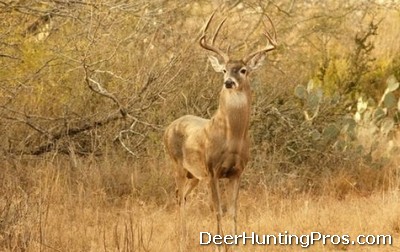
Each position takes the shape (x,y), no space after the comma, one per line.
(203,42)
(271,42)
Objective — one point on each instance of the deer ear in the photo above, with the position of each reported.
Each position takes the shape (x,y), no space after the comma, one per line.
(256,61)
(218,67)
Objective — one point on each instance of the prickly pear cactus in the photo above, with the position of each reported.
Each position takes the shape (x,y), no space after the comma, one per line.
(382,115)
(379,122)
(372,123)
(311,98)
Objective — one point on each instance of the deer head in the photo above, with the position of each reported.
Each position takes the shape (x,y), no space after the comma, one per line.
(236,71)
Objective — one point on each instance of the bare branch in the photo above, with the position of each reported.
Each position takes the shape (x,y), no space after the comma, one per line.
(97,88)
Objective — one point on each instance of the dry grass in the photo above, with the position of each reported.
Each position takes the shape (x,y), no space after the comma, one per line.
(49,207)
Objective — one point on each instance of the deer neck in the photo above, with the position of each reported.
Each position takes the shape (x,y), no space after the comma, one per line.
(233,113)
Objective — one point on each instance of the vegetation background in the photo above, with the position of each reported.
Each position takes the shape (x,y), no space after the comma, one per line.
(87,87)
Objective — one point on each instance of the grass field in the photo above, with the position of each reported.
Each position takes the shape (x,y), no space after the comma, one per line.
(53,208)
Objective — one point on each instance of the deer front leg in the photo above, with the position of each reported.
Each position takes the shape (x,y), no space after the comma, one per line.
(232,197)
(216,199)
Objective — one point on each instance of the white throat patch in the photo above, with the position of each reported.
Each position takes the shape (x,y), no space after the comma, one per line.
(237,100)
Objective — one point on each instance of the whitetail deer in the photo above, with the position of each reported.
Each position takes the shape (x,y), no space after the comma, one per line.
(217,148)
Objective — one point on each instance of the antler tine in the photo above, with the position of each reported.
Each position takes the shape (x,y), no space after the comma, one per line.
(203,42)
(217,31)
(271,39)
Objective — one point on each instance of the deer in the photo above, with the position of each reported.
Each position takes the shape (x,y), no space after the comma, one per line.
(217,148)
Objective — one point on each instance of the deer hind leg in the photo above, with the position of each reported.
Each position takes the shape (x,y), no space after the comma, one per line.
(185,183)
(180,180)
(189,186)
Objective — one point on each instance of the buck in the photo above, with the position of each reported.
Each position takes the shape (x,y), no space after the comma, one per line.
(217,148)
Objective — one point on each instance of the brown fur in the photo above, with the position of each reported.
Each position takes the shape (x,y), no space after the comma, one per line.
(214,148)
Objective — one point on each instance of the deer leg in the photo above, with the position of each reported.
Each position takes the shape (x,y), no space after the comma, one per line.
(184,187)
(215,194)
(190,185)
(180,180)
(233,193)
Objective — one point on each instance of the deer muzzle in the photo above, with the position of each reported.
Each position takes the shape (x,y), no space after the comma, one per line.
(229,83)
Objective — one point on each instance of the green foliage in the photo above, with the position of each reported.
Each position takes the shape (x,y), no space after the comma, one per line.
(310,99)
(327,133)
(346,133)
(330,132)
(382,117)
(301,92)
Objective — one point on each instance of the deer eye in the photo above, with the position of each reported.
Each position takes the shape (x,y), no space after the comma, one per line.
(224,70)
(243,71)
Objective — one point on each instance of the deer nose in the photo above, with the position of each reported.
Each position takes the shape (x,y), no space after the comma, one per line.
(229,83)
